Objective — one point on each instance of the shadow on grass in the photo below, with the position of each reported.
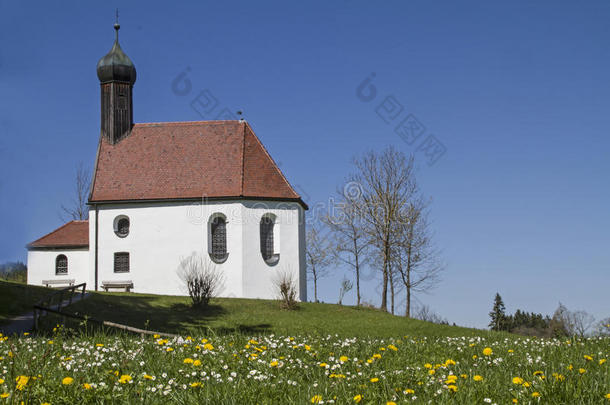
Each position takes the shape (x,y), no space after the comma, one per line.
(171,315)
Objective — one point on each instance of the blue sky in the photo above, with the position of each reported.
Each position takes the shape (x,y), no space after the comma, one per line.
(516,92)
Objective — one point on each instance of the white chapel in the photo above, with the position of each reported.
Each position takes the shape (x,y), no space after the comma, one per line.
(161,192)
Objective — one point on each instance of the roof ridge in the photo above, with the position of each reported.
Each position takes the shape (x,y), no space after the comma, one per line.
(243,160)
(216,122)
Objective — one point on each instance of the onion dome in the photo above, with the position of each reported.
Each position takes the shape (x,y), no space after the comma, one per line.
(116,65)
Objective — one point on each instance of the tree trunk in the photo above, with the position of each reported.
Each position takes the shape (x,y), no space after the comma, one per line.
(391,287)
(408,311)
(357,274)
(315,285)
(384,293)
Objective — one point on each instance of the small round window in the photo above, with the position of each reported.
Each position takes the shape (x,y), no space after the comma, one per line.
(121,226)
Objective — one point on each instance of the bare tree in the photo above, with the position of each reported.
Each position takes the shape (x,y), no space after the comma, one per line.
(602,327)
(201,278)
(78,210)
(386,184)
(582,322)
(350,239)
(416,259)
(346,286)
(425,313)
(319,257)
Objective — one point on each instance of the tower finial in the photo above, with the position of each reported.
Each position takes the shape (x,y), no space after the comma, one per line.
(117,26)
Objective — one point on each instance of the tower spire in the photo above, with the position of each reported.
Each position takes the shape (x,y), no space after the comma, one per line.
(117,26)
(117,75)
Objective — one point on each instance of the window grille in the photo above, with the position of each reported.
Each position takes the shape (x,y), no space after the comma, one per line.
(219,239)
(123,227)
(61,264)
(121,262)
(267,238)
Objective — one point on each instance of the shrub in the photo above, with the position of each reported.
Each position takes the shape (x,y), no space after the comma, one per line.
(286,290)
(202,279)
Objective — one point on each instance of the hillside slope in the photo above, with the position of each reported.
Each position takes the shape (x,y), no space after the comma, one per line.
(230,315)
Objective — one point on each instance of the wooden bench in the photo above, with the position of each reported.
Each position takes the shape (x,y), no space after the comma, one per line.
(127,285)
(60,282)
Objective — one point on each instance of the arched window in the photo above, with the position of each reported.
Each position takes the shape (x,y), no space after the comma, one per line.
(61,264)
(121,226)
(218,239)
(268,240)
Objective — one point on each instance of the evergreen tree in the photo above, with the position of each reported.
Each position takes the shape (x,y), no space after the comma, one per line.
(497,314)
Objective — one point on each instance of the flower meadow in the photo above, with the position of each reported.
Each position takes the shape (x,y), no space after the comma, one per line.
(276,369)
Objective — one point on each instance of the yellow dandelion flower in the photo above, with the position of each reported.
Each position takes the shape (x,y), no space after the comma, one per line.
(428,365)
(156,336)
(515,400)
(452,388)
(570,367)
(343,359)
(274,363)
(474,357)
(125,378)
(22,381)
(517,380)
(390,403)
(197,363)
(99,345)
(477,378)
(169,349)
(607,396)
(409,391)
(148,377)
(374,379)
(587,357)
(67,381)
(511,351)
(316,399)
(392,347)
(208,346)
(431,372)
(538,372)
(323,364)
(535,394)
(188,360)
(602,361)
(487,351)
(195,384)
(87,386)
(526,384)
(1,381)
(6,394)
(582,370)
(358,398)
(377,356)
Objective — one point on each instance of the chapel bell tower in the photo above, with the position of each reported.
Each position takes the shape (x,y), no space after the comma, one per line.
(117,74)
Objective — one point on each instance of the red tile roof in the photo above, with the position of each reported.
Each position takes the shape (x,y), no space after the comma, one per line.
(187,160)
(73,234)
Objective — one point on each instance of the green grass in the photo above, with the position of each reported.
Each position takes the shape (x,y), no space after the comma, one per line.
(17,299)
(248,316)
(302,369)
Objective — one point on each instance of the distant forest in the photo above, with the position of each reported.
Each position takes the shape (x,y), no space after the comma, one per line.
(14,271)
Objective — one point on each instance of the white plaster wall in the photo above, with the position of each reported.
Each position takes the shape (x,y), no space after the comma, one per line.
(161,234)
(41,265)
(258,276)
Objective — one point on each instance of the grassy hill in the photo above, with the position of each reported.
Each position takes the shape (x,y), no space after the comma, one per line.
(18,298)
(249,316)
